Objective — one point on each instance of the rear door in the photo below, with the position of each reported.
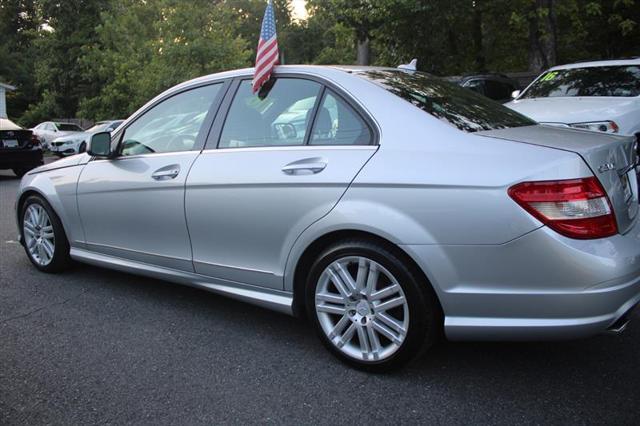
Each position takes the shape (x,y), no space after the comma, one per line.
(275,164)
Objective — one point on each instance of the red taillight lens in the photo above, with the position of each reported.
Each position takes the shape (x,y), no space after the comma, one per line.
(34,140)
(577,208)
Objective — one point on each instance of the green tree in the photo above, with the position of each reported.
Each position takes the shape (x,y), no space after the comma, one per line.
(143,49)
(19,24)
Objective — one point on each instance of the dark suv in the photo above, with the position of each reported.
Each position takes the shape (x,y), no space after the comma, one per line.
(495,86)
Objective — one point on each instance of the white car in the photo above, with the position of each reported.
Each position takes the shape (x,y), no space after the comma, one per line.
(601,96)
(75,143)
(49,130)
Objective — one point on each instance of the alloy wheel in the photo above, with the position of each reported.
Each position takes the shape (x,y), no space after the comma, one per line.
(362,308)
(38,234)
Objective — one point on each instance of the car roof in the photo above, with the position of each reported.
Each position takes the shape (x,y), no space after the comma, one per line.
(593,64)
(311,69)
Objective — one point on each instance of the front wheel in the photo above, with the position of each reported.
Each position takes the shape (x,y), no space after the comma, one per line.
(82,148)
(370,308)
(45,242)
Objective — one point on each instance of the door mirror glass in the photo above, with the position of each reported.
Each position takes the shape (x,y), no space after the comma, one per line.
(100,145)
(515,94)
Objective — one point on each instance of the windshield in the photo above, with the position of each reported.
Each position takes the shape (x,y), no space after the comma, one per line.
(619,81)
(464,109)
(65,127)
(98,127)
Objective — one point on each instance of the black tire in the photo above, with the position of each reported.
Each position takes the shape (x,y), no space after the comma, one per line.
(82,148)
(425,313)
(21,171)
(61,259)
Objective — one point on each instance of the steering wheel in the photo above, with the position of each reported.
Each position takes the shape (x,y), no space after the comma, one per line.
(177,143)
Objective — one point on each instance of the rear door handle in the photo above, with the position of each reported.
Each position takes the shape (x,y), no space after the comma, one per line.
(309,166)
(166,173)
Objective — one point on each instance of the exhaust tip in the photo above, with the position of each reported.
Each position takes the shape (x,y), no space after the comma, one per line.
(621,324)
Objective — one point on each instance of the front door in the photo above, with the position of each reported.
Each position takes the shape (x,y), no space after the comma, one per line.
(132,206)
(271,177)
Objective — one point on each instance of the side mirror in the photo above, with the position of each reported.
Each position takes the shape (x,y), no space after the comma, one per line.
(100,145)
(515,94)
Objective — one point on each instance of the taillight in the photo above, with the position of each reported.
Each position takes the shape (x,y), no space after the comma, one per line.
(577,208)
(34,140)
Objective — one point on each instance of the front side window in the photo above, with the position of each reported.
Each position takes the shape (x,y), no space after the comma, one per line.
(279,118)
(618,81)
(172,125)
(336,123)
(457,106)
(68,127)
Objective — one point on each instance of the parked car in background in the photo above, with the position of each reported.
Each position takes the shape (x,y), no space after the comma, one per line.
(20,149)
(76,142)
(49,130)
(602,96)
(397,206)
(498,87)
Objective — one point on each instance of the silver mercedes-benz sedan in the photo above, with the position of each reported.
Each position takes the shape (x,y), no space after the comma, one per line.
(388,206)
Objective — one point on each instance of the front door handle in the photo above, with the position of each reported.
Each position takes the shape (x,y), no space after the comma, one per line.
(308,166)
(166,173)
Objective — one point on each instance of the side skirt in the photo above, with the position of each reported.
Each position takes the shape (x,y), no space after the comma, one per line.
(279,301)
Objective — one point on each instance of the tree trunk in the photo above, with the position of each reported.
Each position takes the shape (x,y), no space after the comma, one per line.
(364,51)
(542,35)
(477,37)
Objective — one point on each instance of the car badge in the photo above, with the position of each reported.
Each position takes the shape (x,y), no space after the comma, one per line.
(606,167)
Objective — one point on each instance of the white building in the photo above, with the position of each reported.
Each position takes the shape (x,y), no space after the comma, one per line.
(4,88)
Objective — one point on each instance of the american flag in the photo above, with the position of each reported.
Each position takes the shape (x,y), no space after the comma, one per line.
(267,56)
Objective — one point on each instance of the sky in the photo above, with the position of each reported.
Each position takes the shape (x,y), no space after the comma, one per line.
(299,10)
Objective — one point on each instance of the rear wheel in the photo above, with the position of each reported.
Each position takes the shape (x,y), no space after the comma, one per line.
(369,307)
(45,242)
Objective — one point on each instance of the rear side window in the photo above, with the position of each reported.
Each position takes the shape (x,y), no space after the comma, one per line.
(618,81)
(460,107)
(336,123)
(280,118)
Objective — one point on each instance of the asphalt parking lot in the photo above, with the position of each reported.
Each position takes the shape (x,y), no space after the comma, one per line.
(96,346)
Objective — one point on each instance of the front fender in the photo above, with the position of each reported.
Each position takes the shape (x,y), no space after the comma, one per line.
(57,186)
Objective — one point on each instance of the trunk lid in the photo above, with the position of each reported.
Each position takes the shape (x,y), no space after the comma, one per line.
(15,139)
(610,157)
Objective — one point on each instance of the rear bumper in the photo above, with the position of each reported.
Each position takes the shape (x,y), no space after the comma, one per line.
(10,159)
(538,287)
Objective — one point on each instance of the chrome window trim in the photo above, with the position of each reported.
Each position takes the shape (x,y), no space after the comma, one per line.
(291,148)
(154,155)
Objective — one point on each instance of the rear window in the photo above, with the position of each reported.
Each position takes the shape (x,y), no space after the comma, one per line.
(462,108)
(618,81)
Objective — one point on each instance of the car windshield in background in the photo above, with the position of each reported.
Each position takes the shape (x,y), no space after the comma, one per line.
(69,127)
(464,109)
(618,81)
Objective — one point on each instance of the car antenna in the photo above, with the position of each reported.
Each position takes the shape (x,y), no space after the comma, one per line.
(411,66)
